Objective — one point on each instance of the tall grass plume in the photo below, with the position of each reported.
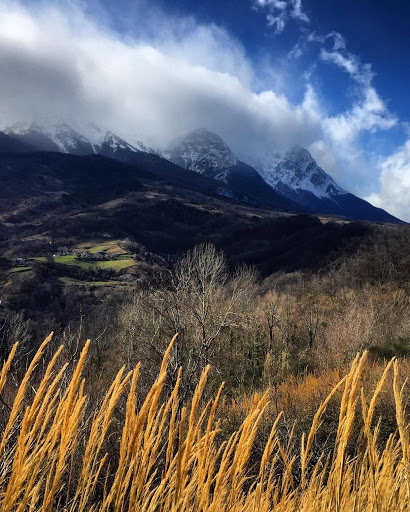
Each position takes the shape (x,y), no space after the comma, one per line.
(165,456)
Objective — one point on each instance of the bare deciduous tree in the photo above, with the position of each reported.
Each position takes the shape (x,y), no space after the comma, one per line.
(200,299)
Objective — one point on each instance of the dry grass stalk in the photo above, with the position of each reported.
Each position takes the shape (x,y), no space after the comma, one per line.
(172,459)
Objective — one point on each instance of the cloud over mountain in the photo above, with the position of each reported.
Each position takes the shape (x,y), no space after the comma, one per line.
(169,76)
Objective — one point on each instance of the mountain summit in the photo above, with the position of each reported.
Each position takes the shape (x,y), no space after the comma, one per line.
(52,136)
(298,177)
(202,151)
(298,173)
(206,153)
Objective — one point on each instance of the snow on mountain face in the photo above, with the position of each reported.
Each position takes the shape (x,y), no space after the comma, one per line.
(203,152)
(75,138)
(293,174)
(136,143)
(52,136)
(115,143)
(298,172)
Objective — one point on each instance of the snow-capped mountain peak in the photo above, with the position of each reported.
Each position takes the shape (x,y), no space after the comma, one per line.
(55,135)
(297,172)
(202,151)
(81,138)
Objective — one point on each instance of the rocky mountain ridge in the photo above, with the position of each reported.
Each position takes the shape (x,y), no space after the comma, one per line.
(290,182)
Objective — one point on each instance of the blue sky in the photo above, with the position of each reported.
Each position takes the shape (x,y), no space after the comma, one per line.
(330,75)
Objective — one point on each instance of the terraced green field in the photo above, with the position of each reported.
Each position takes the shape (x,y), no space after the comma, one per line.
(117,264)
(70,259)
(111,247)
(117,260)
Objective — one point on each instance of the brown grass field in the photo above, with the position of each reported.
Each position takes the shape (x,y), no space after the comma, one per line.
(54,457)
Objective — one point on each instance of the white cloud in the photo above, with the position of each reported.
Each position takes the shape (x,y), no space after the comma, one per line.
(274,4)
(279,12)
(348,64)
(297,11)
(57,61)
(339,41)
(296,52)
(394,194)
(278,22)
(368,114)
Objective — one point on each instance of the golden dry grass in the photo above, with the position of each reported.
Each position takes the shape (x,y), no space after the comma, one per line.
(173,459)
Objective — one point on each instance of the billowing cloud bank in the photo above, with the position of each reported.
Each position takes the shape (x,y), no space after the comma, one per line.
(172,76)
(395,183)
